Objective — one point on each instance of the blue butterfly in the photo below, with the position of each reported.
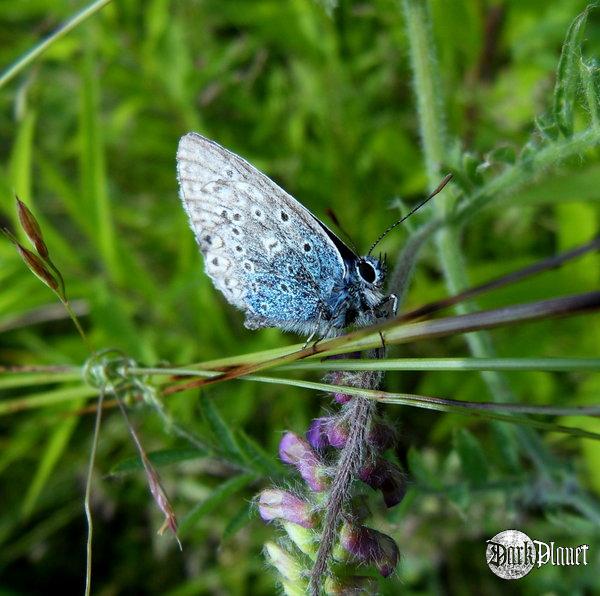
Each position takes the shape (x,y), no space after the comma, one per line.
(268,254)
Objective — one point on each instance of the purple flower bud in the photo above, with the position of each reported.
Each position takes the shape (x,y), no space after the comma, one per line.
(386,477)
(297,452)
(370,546)
(339,377)
(342,398)
(325,432)
(275,503)
(382,436)
(337,434)
(317,433)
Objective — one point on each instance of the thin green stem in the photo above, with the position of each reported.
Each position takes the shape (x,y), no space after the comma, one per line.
(392,333)
(410,364)
(455,364)
(401,398)
(13,379)
(88,492)
(46,399)
(75,319)
(36,51)
(428,90)
(61,281)
(487,410)
(433,134)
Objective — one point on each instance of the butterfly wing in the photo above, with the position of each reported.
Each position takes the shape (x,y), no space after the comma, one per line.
(263,250)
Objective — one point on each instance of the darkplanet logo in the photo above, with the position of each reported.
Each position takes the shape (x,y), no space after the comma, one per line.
(512,554)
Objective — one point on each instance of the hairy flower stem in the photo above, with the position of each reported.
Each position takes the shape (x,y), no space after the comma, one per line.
(360,412)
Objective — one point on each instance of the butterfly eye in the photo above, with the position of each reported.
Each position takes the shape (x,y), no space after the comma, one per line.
(367,271)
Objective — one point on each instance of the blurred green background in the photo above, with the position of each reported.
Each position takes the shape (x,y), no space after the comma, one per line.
(322,103)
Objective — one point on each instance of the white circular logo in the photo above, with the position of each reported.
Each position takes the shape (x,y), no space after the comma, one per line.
(510,554)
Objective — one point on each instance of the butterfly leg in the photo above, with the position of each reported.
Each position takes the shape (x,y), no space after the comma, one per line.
(380,313)
(309,339)
(321,338)
(387,313)
(382,341)
(331,324)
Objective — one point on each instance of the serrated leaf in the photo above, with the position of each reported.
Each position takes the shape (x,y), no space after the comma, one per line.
(216,498)
(567,74)
(471,457)
(223,434)
(161,458)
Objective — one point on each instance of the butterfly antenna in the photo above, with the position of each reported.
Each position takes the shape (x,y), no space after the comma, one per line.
(435,192)
(331,213)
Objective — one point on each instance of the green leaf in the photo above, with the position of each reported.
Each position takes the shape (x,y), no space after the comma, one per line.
(216,498)
(9,380)
(547,126)
(504,154)
(164,457)
(471,456)
(471,169)
(420,471)
(329,5)
(507,447)
(52,455)
(241,519)
(45,399)
(21,171)
(590,76)
(257,457)
(461,495)
(94,185)
(223,434)
(567,74)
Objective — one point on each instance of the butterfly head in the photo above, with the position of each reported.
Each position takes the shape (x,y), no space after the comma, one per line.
(371,270)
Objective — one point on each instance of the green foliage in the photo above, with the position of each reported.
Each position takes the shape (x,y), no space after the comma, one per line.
(322,98)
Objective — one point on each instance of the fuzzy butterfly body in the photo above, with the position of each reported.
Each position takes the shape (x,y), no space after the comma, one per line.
(266,253)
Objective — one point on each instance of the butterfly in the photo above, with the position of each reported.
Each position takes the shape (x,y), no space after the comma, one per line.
(269,255)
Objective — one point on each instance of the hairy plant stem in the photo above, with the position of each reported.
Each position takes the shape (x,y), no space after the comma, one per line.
(434,139)
(359,411)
